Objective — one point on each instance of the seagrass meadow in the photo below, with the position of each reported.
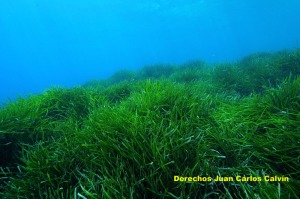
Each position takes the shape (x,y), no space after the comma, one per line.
(165,131)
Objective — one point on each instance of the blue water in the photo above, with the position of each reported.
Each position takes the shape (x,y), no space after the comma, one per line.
(68,42)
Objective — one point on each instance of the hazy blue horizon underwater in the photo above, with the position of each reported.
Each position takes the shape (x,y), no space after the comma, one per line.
(66,43)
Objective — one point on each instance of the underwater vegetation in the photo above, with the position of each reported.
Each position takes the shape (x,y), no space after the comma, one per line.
(229,130)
